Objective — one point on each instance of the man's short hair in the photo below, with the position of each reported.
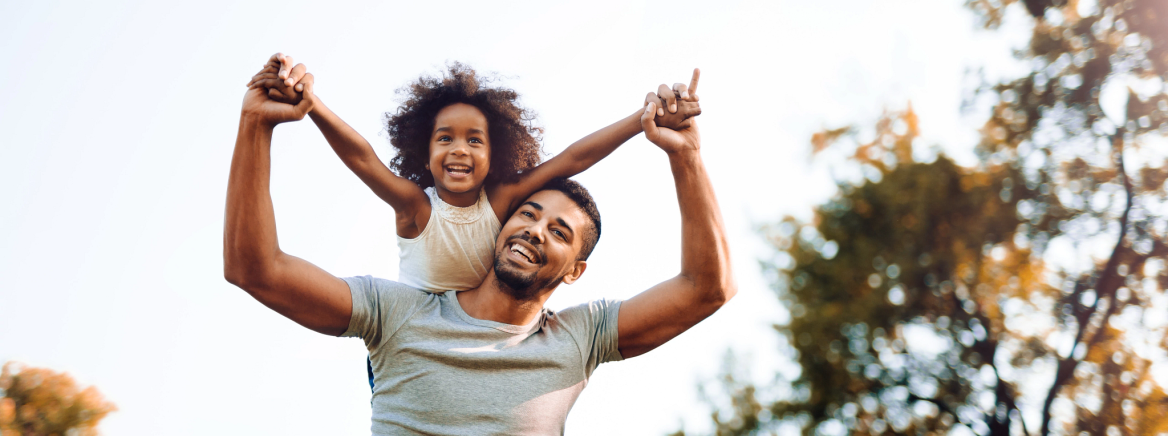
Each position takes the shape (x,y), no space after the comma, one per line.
(584,201)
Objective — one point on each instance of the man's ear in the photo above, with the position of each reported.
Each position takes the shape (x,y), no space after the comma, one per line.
(576,272)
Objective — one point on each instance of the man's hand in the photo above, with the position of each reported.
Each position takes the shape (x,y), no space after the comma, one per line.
(281,79)
(686,136)
(277,100)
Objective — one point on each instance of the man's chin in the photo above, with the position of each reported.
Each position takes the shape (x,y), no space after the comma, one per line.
(520,285)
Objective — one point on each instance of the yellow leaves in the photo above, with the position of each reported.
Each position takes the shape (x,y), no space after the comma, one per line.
(895,132)
(39,401)
(975,180)
(823,139)
(1153,179)
(992,12)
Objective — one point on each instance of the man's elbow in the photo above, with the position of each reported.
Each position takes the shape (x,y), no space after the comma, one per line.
(235,275)
(245,275)
(723,290)
(719,288)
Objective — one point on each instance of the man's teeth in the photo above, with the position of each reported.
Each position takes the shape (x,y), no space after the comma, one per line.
(523,252)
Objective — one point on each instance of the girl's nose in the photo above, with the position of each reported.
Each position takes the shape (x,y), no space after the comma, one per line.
(460,149)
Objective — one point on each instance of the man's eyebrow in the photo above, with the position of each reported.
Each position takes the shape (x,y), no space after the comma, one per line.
(533,204)
(565,224)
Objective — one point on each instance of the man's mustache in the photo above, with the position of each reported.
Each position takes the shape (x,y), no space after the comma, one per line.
(527,239)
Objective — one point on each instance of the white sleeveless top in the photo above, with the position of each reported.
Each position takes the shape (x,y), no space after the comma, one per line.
(455,250)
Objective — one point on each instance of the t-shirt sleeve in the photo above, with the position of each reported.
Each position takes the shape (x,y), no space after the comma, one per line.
(380,307)
(593,325)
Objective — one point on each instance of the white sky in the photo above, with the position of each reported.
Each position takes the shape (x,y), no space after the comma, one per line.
(117,121)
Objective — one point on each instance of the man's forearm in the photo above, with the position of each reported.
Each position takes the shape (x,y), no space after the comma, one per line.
(705,253)
(249,234)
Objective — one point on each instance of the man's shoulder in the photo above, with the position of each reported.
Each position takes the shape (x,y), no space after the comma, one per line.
(376,285)
(587,311)
(380,304)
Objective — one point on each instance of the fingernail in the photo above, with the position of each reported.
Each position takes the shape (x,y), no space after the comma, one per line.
(660,112)
(673,108)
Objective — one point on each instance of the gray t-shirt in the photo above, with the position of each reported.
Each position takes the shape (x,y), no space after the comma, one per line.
(437,370)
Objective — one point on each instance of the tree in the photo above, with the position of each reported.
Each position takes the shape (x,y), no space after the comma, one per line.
(1024,295)
(41,402)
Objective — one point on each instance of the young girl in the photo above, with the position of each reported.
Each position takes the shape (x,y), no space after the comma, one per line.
(467,154)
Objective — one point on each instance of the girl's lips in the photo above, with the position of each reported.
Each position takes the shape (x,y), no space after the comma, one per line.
(457,175)
(458,171)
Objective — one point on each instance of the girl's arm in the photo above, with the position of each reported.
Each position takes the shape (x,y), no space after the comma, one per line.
(580,156)
(409,202)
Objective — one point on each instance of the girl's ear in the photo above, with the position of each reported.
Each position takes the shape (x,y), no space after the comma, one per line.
(576,272)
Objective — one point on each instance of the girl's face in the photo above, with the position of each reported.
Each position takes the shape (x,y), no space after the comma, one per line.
(460,153)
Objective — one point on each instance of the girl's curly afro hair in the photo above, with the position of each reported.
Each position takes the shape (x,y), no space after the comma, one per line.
(514,139)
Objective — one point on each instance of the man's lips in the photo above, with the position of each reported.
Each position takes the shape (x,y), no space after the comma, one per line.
(524,251)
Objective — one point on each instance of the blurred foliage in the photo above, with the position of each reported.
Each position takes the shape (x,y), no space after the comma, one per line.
(41,402)
(1023,295)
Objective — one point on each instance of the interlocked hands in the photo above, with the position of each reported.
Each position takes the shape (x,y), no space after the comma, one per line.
(683,135)
(279,94)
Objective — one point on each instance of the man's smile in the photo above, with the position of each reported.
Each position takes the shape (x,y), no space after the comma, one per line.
(522,251)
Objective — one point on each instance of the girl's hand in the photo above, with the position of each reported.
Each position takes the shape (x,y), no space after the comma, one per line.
(675,121)
(675,106)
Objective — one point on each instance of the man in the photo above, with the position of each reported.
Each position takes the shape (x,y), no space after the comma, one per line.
(489,360)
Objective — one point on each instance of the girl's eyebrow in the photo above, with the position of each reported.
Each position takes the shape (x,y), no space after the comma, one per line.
(451,129)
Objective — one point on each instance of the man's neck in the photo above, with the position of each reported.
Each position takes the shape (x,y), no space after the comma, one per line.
(491,303)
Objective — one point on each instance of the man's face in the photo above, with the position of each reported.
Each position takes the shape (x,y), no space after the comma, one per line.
(538,246)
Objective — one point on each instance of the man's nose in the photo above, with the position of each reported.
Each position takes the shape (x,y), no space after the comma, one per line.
(535,231)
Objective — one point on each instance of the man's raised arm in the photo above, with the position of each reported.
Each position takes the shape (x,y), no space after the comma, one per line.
(705,283)
(252,258)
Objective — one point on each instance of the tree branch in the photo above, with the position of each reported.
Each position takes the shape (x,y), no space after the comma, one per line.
(1108,283)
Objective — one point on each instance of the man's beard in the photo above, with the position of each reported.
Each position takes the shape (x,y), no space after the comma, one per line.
(519,285)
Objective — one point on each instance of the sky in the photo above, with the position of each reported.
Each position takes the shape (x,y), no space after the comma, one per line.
(118,120)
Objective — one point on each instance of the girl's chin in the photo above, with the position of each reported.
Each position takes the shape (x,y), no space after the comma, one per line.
(458,187)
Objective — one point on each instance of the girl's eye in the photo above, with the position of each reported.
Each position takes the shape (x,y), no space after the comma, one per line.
(480,141)
(443,138)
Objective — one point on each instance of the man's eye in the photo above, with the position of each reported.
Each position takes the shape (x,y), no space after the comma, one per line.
(527,214)
(560,234)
